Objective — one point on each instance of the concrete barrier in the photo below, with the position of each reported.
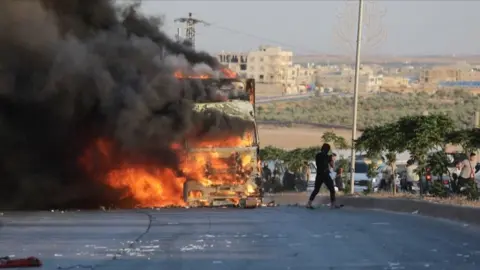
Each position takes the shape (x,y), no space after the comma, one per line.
(465,214)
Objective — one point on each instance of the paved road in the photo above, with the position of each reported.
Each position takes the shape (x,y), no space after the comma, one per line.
(266,239)
(261,100)
(295,97)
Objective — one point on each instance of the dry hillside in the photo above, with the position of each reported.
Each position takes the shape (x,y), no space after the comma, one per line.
(297,136)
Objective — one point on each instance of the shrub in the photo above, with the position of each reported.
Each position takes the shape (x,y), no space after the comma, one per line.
(438,189)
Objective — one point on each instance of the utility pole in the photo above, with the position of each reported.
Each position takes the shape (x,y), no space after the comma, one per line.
(355,94)
(476,119)
(190,23)
(179,35)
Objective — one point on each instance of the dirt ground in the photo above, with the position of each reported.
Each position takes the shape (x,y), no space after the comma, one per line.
(268,90)
(298,136)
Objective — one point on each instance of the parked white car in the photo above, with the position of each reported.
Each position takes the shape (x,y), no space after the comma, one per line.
(361,177)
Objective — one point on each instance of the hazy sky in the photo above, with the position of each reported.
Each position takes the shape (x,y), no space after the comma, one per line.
(394,27)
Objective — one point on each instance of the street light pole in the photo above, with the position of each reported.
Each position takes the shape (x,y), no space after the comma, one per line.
(355,94)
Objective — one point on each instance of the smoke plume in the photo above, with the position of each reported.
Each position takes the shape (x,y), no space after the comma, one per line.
(72,71)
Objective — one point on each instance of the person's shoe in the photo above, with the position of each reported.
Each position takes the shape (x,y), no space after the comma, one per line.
(309,205)
(334,206)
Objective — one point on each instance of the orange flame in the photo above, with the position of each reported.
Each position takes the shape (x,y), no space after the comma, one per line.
(228,73)
(246,141)
(180,75)
(146,184)
(153,186)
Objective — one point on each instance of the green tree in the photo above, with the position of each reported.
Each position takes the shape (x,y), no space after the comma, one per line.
(371,142)
(438,163)
(422,134)
(387,138)
(371,173)
(468,139)
(343,164)
(338,142)
(294,159)
(272,153)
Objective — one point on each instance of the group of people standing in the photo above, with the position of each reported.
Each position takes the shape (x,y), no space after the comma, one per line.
(464,173)
(325,160)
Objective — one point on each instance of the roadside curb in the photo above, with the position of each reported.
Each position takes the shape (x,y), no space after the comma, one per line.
(452,212)
(466,214)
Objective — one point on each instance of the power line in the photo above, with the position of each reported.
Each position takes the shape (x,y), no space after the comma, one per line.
(236,31)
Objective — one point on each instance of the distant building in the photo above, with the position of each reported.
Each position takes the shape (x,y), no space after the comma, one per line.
(344,80)
(432,77)
(270,64)
(267,64)
(237,62)
(396,84)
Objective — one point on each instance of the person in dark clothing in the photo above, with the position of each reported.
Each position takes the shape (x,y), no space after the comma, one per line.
(324,160)
(267,173)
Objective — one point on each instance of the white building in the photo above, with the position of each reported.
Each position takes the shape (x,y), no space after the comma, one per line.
(269,64)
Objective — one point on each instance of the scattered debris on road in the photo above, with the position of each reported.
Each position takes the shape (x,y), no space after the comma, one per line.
(7,262)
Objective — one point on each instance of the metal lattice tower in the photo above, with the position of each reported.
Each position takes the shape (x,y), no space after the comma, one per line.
(190,23)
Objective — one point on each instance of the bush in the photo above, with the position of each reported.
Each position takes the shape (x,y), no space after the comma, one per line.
(471,191)
(369,188)
(438,190)
(346,184)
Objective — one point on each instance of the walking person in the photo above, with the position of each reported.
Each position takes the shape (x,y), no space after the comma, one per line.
(413,180)
(467,171)
(324,161)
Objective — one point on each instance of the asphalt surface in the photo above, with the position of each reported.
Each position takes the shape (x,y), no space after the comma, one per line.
(266,238)
(295,97)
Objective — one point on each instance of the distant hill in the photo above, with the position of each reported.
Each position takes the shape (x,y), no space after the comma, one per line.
(430,59)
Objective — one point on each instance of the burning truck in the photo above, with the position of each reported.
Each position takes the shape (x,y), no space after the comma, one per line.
(226,171)
(92,114)
(221,170)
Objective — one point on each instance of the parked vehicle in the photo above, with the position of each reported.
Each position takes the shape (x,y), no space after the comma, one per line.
(361,179)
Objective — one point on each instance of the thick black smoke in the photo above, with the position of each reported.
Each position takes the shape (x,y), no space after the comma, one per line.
(72,71)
